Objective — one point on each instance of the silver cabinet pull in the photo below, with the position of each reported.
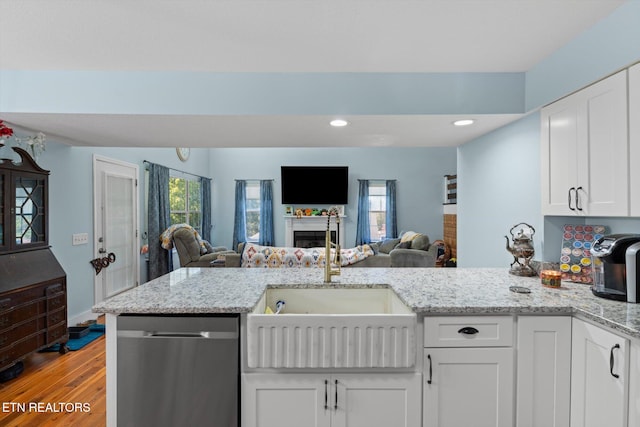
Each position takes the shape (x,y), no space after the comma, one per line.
(578,207)
(326,394)
(569,198)
(611,361)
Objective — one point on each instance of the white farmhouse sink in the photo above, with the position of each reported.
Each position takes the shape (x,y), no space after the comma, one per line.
(329,327)
(333,301)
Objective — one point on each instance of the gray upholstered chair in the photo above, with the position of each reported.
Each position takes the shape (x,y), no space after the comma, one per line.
(189,251)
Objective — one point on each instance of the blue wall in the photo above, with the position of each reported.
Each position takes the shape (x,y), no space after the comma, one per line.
(498,187)
(419,172)
(113,92)
(71,205)
(610,45)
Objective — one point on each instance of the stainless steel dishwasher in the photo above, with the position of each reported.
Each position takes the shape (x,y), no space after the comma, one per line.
(178,371)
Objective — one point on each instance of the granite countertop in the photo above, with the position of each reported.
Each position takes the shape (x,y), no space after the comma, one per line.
(425,290)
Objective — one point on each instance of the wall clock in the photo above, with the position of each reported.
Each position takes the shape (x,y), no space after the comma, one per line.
(183,153)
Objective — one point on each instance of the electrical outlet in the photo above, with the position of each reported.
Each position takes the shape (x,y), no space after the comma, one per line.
(80,239)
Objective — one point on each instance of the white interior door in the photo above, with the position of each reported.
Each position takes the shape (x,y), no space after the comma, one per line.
(116,225)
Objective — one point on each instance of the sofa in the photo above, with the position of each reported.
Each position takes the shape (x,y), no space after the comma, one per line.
(410,250)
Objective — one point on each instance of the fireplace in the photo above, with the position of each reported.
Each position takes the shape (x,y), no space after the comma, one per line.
(311,239)
(313,230)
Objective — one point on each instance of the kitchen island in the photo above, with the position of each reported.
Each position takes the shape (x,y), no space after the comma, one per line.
(430,291)
(433,295)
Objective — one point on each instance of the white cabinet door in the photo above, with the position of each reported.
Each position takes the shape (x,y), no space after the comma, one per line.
(285,400)
(543,392)
(559,128)
(345,400)
(634,139)
(598,377)
(603,174)
(584,149)
(468,387)
(377,400)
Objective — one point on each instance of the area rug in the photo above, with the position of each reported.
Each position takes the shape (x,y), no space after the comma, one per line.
(95,331)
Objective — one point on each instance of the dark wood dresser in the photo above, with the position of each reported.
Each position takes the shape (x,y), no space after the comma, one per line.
(33,284)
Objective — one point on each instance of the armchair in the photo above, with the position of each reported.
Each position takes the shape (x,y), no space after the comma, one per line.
(189,250)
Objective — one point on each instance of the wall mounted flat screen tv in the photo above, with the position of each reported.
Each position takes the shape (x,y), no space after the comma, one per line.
(307,185)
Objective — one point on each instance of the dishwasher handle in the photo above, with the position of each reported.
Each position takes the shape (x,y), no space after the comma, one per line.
(161,334)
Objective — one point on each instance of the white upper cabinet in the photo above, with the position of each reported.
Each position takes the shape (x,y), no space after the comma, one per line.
(584,153)
(634,138)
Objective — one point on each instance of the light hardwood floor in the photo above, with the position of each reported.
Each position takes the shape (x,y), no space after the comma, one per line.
(77,377)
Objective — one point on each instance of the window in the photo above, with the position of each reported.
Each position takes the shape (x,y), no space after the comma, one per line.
(253,211)
(185,200)
(377,210)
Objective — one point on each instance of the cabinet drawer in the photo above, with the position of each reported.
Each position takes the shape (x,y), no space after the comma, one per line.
(19,315)
(57,301)
(22,330)
(468,331)
(56,333)
(53,318)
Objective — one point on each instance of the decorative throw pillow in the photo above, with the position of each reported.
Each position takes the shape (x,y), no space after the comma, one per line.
(374,247)
(403,245)
(388,245)
(420,242)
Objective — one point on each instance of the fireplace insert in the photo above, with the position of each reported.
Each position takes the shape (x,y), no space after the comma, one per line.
(311,239)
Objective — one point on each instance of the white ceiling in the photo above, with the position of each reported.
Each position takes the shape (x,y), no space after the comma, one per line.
(281,36)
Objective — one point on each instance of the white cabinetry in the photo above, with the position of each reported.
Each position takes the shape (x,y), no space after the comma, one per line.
(634,139)
(331,400)
(634,384)
(543,371)
(584,153)
(468,375)
(599,377)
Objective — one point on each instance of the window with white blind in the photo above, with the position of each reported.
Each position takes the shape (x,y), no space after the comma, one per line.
(377,210)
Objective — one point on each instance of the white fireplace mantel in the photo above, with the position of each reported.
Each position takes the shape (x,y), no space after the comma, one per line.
(310,223)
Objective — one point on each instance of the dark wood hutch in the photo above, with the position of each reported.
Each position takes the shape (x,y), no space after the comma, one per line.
(33,285)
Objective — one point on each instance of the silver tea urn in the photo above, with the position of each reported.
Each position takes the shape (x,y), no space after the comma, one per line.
(521,249)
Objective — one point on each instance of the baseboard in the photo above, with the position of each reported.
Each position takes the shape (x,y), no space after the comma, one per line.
(82,317)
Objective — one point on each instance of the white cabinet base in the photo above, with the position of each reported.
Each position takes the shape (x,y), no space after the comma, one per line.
(543,392)
(331,400)
(469,387)
(598,398)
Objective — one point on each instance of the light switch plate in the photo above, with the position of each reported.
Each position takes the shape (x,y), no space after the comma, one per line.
(80,239)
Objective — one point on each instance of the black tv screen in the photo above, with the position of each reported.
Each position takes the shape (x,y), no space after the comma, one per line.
(324,185)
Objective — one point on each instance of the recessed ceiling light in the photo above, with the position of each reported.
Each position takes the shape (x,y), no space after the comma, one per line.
(463,122)
(338,123)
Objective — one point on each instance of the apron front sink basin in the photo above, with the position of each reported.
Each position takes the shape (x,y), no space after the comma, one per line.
(329,327)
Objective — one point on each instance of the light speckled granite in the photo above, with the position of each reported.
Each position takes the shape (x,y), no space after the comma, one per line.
(425,290)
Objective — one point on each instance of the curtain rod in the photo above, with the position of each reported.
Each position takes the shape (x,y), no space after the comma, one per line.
(246,179)
(377,179)
(177,170)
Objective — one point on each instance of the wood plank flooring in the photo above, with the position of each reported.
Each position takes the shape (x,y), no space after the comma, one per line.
(76,378)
